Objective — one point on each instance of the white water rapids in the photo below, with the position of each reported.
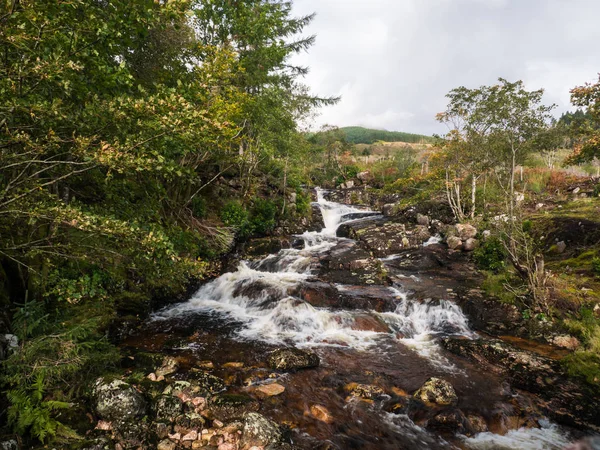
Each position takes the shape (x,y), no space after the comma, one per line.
(275,316)
(263,296)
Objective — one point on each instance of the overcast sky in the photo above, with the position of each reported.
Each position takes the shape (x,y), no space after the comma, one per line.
(393,61)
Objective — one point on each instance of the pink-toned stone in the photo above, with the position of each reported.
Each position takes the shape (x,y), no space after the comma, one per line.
(191,436)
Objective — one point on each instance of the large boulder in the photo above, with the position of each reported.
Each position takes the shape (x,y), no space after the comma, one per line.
(117,400)
(287,359)
(259,431)
(465,231)
(437,391)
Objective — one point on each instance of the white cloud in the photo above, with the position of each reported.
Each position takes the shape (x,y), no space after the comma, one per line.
(393,61)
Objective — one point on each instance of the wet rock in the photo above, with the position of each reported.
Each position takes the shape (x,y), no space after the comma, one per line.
(226,407)
(327,295)
(450,422)
(168,407)
(321,413)
(367,322)
(287,359)
(265,246)
(365,391)
(477,424)
(339,265)
(422,219)
(260,431)
(560,247)
(490,315)
(169,365)
(470,244)
(205,383)
(454,243)
(437,391)
(465,231)
(382,237)
(269,390)
(117,400)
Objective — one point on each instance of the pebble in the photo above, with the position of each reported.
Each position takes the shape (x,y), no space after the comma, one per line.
(321,413)
(191,436)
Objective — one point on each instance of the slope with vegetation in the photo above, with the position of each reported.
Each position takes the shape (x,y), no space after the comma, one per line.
(360,135)
(508,167)
(138,140)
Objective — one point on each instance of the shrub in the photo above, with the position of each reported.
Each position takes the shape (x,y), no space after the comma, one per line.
(491,255)
(236,216)
(262,216)
(596,266)
(302,203)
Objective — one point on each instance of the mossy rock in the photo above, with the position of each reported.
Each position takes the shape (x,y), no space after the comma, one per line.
(226,407)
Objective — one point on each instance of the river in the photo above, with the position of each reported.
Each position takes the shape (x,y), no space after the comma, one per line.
(243,314)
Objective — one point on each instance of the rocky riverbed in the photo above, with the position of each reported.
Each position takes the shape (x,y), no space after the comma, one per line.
(353,336)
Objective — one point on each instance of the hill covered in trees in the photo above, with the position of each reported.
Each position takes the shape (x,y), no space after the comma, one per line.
(360,135)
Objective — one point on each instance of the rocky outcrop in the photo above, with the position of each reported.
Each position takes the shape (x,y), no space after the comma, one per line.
(349,263)
(565,399)
(320,295)
(383,238)
(290,359)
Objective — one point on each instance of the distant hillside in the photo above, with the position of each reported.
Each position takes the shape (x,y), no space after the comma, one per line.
(360,135)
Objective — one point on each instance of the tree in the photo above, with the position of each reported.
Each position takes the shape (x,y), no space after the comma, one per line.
(587,128)
(494,128)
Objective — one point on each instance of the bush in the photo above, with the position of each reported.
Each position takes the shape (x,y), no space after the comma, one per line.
(262,216)
(302,203)
(596,266)
(236,216)
(491,255)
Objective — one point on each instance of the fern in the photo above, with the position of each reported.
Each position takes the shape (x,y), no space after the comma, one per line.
(55,360)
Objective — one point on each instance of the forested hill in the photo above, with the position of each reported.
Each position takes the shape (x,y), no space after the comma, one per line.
(360,135)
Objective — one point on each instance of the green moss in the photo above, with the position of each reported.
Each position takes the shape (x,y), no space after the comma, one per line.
(495,285)
(584,364)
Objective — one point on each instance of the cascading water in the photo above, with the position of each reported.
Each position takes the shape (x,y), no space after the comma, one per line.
(260,295)
(262,300)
